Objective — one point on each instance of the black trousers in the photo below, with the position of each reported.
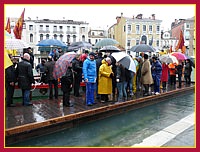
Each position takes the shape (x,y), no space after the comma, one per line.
(51,83)
(187,79)
(146,88)
(77,80)
(104,97)
(172,79)
(9,94)
(66,97)
(179,80)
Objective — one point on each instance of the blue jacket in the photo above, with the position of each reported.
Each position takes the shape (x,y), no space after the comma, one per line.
(89,70)
(157,72)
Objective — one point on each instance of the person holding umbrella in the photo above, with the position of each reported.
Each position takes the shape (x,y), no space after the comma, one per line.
(66,86)
(49,67)
(164,77)
(90,75)
(156,69)
(146,77)
(77,68)
(187,71)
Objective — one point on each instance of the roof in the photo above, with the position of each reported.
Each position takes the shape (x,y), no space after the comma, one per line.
(57,21)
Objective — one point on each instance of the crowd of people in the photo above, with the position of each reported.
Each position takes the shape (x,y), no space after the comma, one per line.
(103,76)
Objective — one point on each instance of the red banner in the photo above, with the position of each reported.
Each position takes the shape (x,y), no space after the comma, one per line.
(19,26)
(181,43)
(8,29)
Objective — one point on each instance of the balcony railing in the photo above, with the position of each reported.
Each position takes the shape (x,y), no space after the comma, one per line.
(44,31)
(71,32)
(58,32)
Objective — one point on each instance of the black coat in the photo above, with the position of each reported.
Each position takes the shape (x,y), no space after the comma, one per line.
(77,68)
(122,74)
(10,74)
(67,80)
(25,74)
(49,66)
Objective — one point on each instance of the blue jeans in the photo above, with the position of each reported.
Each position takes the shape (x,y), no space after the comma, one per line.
(120,92)
(26,96)
(130,83)
(156,84)
(90,88)
(121,86)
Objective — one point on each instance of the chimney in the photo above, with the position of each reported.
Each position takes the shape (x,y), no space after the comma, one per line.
(176,21)
(118,18)
(139,16)
(153,17)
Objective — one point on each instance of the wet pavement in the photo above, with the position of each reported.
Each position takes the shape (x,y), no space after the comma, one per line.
(44,109)
(161,124)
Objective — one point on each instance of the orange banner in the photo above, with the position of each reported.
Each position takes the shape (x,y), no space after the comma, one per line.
(8,29)
(19,26)
(181,42)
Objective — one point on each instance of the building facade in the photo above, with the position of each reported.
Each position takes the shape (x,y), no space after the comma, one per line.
(95,35)
(188,28)
(136,30)
(67,31)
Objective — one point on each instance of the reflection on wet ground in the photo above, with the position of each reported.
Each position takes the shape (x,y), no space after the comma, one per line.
(44,109)
(125,129)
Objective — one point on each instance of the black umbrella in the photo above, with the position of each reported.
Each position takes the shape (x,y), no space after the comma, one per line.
(110,49)
(192,60)
(78,45)
(142,48)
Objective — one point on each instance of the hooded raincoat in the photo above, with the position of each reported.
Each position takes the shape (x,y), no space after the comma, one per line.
(105,81)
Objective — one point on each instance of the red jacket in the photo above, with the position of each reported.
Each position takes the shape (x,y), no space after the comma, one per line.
(165,69)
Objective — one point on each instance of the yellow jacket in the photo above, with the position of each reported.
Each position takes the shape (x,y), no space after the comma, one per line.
(105,82)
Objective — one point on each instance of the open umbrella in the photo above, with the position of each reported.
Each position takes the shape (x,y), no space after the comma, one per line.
(62,64)
(125,60)
(51,42)
(143,48)
(7,60)
(110,48)
(15,44)
(167,58)
(78,45)
(192,60)
(106,42)
(179,55)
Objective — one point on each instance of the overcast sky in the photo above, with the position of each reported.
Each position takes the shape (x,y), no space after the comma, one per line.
(102,15)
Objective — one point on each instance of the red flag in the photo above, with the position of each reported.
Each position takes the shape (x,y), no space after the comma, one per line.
(19,26)
(170,49)
(181,42)
(8,29)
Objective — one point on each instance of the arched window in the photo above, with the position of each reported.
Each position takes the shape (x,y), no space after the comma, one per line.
(31,37)
(55,36)
(47,36)
(83,37)
(74,38)
(61,37)
(68,39)
(144,39)
(41,37)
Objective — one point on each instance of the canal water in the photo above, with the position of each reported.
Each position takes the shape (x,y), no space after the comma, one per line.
(121,130)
